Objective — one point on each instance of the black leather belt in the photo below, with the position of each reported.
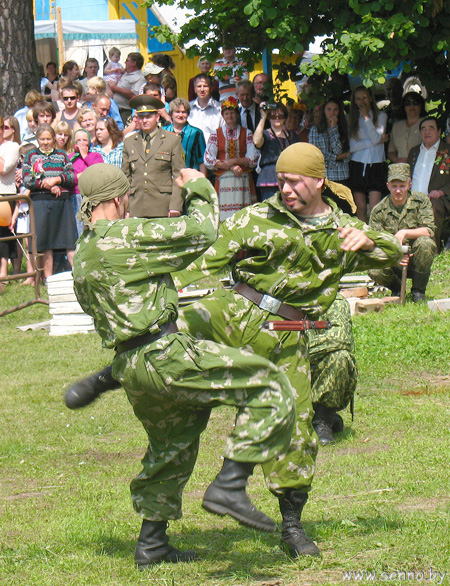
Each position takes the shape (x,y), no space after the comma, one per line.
(148,338)
(269,303)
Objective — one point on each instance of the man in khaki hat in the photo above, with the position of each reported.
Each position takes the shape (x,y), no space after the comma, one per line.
(287,255)
(409,216)
(152,159)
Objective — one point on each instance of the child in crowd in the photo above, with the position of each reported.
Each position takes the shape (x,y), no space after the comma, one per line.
(20,222)
(29,135)
(113,70)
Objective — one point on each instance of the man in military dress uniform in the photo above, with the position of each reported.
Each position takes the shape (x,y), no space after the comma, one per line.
(409,216)
(152,159)
(122,279)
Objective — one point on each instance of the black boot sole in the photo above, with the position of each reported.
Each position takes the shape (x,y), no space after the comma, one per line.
(184,557)
(294,553)
(222,511)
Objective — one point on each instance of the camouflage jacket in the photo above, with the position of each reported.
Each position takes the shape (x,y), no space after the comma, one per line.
(122,268)
(274,252)
(416,213)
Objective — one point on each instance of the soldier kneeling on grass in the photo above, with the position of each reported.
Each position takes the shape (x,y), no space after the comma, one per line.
(409,216)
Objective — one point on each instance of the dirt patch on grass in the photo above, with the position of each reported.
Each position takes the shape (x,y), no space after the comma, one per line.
(312,579)
(426,384)
(430,504)
(12,488)
(365,447)
(23,495)
(106,457)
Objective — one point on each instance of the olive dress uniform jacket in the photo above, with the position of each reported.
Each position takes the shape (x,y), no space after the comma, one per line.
(152,173)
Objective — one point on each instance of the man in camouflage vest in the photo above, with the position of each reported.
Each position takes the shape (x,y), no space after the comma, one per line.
(409,216)
(122,279)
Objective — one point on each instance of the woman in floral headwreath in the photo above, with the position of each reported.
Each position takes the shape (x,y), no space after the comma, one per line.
(49,175)
(231,154)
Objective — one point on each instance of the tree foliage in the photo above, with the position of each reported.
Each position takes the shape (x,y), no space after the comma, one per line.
(363,37)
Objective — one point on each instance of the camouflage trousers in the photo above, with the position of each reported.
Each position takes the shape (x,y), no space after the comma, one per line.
(172,384)
(333,379)
(227,317)
(332,358)
(423,250)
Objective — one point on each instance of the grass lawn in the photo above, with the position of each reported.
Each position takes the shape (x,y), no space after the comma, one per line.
(380,500)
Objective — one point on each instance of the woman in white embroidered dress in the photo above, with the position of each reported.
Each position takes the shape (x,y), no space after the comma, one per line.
(231,154)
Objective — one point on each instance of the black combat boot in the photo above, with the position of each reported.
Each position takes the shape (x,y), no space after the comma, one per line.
(226,496)
(294,540)
(338,424)
(323,423)
(88,389)
(419,284)
(153,547)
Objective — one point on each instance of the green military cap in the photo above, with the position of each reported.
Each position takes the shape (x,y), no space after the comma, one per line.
(399,172)
(145,104)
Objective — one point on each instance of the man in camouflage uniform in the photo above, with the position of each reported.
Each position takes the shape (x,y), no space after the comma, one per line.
(294,248)
(122,279)
(333,370)
(409,216)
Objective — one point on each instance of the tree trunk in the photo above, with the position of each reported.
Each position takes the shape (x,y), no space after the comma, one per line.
(18,64)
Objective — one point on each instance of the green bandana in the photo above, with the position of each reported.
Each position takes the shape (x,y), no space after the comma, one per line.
(98,183)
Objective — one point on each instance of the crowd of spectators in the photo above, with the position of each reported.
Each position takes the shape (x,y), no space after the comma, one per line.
(231,129)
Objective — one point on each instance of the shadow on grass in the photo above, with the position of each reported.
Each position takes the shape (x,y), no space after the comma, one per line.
(348,433)
(240,552)
(358,527)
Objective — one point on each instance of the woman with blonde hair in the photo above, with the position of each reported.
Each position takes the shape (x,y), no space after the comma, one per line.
(63,137)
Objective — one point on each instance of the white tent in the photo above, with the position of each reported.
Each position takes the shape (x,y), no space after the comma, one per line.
(85,39)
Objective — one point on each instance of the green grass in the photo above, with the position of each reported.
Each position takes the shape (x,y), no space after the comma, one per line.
(380,499)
